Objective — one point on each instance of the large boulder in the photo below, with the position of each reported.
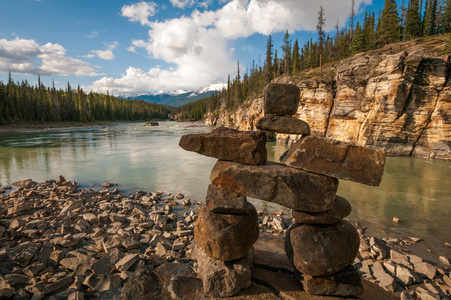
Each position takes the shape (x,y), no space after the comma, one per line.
(226,237)
(226,202)
(248,147)
(281,99)
(340,210)
(289,187)
(220,278)
(283,124)
(337,159)
(321,250)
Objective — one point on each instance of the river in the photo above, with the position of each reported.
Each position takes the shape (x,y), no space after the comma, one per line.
(415,190)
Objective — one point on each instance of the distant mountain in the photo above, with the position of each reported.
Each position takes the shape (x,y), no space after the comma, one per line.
(176,97)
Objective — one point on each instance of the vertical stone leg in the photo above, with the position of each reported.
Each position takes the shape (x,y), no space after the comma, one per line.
(225,231)
(323,254)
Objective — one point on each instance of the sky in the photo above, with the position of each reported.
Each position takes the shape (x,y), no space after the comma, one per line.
(141,46)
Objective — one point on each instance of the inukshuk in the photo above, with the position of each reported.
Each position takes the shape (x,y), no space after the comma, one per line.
(320,245)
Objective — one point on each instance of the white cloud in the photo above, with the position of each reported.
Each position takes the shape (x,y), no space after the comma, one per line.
(131,49)
(92,35)
(200,45)
(140,12)
(28,57)
(106,54)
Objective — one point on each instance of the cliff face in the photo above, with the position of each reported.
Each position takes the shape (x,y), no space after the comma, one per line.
(396,99)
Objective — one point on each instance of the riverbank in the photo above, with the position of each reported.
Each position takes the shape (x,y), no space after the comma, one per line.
(59,240)
(48,127)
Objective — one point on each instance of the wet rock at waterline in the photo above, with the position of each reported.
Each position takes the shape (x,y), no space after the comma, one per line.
(340,210)
(223,201)
(289,187)
(321,250)
(337,159)
(281,99)
(248,147)
(226,237)
(283,124)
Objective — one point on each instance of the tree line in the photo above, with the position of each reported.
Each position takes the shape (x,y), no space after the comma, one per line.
(21,102)
(419,18)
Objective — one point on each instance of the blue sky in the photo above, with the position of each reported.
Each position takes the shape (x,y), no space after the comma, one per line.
(133,46)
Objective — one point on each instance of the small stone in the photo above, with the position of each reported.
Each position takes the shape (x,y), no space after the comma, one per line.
(283,124)
(167,271)
(107,262)
(426,269)
(444,260)
(386,281)
(340,210)
(187,202)
(223,201)
(406,276)
(226,237)
(321,250)
(228,144)
(180,196)
(58,285)
(281,99)
(337,159)
(126,262)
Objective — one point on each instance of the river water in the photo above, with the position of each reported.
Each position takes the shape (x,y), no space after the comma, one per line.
(140,158)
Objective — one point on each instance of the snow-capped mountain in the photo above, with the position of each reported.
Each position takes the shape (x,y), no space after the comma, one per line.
(176,97)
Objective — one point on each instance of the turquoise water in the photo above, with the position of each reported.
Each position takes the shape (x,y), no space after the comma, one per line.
(417,191)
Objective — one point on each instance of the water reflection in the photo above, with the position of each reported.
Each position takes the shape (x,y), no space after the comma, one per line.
(418,191)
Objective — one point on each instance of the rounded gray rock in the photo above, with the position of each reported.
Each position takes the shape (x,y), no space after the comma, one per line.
(321,250)
(340,210)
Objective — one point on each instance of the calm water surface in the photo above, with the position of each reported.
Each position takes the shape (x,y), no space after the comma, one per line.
(418,191)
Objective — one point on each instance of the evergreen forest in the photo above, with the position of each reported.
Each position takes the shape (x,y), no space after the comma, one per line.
(21,103)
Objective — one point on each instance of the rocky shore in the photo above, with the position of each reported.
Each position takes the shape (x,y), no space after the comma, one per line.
(58,241)
(48,127)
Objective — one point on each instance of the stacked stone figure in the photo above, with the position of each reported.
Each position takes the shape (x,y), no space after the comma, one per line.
(320,245)
(227,226)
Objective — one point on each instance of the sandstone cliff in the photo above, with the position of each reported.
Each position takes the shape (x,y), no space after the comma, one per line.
(396,99)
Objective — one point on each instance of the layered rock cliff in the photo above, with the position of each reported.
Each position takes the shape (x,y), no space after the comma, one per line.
(396,99)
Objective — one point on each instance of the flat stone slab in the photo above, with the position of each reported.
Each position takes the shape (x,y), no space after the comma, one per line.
(340,210)
(283,124)
(337,159)
(223,201)
(248,147)
(289,187)
(281,99)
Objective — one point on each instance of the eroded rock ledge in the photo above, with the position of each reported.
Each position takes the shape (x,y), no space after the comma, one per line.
(396,99)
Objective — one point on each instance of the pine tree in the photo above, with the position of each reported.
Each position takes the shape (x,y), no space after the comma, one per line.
(412,24)
(295,58)
(276,64)
(352,18)
(286,48)
(389,31)
(321,34)
(430,18)
(358,43)
(368,31)
(446,23)
(268,61)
